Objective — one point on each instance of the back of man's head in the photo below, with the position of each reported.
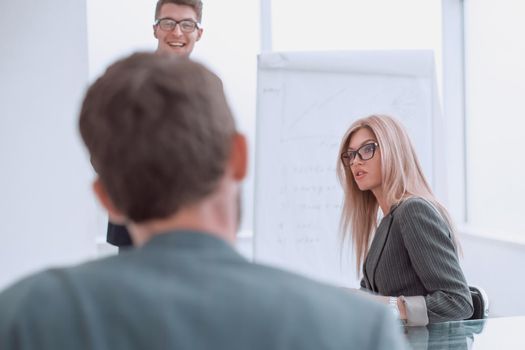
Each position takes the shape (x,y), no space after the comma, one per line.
(159,132)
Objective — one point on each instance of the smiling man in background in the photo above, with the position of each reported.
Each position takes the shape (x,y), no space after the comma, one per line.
(177,28)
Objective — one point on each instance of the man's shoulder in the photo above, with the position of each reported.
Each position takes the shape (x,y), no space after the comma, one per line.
(342,317)
(45,283)
(49,301)
(51,287)
(310,295)
(31,301)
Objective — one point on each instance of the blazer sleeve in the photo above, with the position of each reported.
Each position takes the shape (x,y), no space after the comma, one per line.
(432,253)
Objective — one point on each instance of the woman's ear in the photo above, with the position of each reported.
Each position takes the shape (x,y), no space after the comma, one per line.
(115,215)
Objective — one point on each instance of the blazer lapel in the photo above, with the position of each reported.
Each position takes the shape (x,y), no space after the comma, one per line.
(376,249)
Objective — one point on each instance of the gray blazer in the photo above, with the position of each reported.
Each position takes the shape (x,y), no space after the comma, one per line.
(187,290)
(412,254)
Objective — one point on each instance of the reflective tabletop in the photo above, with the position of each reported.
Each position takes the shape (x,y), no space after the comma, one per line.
(503,333)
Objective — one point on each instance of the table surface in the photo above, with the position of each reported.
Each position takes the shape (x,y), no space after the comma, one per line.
(502,333)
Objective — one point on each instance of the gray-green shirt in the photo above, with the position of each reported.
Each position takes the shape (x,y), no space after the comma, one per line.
(187,290)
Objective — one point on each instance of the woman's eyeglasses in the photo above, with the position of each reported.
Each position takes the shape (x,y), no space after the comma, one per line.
(365,152)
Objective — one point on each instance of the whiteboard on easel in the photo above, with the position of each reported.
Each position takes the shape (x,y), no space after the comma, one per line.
(305,103)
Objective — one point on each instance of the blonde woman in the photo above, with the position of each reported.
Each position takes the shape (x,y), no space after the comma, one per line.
(409,259)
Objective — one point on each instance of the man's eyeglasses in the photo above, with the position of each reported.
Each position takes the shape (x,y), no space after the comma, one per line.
(365,152)
(169,24)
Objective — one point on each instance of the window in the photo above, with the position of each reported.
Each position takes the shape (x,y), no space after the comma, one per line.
(357,24)
(495,89)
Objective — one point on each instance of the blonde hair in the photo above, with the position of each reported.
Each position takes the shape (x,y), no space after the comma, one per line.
(402,178)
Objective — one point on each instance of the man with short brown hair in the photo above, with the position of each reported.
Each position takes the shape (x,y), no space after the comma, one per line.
(172,174)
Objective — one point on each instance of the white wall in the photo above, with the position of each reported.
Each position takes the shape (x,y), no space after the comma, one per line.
(496,266)
(45,196)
